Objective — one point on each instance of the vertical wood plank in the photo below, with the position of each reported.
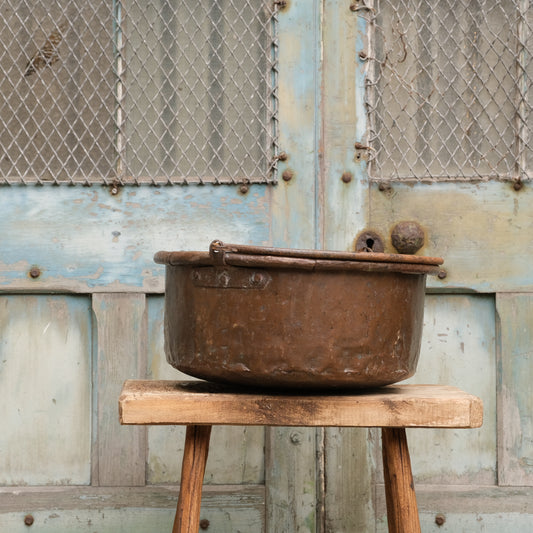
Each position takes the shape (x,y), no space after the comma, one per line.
(514,388)
(348,480)
(290,478)
(45,369)
(402,510)
(458,348)
(119,455)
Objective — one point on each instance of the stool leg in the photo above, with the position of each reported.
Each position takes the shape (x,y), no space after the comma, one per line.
(187,518)
(402,510)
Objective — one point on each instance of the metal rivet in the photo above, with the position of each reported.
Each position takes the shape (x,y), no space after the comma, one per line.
(384,187)
(295,438)
(35,272)
(114,190)
(354,7)
(243,189)
(440,519)
(442,274)
(362,55)
(204,523)
(282,156)
(28,520)
(346,177)
(517,184)
(287,175)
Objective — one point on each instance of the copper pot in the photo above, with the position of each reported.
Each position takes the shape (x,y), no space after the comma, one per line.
(294,319)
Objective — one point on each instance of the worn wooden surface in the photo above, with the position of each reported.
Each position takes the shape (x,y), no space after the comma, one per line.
(45,369)
(478,228)
(458,347)
(171,402)
(127,509)
(515,401)
(402,510)
(192,478)
(291,486)
(120,329)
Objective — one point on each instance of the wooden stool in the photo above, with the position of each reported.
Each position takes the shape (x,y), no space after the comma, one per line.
(199,405)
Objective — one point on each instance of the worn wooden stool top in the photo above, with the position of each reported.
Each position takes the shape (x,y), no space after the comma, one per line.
(201,403)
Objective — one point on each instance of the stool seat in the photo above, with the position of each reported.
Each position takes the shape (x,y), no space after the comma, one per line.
(200,405)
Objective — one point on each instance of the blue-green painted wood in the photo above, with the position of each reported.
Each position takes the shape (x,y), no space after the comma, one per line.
(514,386)
(45,381)
(87,240)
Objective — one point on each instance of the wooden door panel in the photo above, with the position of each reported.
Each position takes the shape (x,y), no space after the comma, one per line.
(478,228)
(515,401)
(45,379)
(458,347)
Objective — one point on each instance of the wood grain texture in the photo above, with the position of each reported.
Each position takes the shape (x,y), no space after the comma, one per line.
(192,478)
(515,401)
(402,510)
(45,381)
(119,456)
(291,480)
(458,348)
(133,509)
(349,477)
(170,402)
(476,227)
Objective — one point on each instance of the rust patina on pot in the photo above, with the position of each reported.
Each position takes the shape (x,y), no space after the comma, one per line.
(294,319)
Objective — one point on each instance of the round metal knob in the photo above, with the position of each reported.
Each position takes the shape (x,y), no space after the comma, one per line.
(407,237)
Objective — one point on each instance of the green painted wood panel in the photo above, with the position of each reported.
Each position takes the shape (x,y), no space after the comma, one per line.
(458,347)
(515,389)
(120,346)
(480,229)
(127,510)
(45,379)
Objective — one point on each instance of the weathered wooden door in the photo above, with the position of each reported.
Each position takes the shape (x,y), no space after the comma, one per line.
(127,128)
(446,143)
(112,112)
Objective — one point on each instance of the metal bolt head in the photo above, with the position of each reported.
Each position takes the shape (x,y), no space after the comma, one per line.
(287,175)
(517,185)
(346,177)
(442,274)
(35,272)
(407,237)
(440,519)
(28,520)
(362,55)
(204,523)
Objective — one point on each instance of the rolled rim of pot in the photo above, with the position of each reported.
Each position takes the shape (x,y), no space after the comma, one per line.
(237,255)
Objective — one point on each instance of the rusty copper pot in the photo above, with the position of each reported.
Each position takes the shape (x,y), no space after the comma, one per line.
(294,319)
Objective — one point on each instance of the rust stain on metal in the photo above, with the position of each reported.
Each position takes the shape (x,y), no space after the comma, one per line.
(369,241)
(408,237)
(35,272)
(287,175)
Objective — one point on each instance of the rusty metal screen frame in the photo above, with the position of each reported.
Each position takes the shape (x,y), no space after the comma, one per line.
(448,86)
(128,93)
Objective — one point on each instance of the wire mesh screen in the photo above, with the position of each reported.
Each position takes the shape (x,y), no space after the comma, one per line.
(158,91)
(448,89)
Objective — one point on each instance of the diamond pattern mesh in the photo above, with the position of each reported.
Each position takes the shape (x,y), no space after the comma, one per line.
(448,89)
(158,91)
